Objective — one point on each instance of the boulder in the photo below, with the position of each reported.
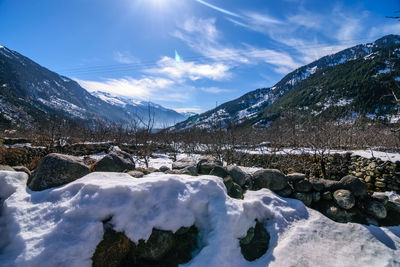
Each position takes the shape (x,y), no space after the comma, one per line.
(317,185)
(183,163)
(306,198)
(190,170)
(255,243)
(163,169)
(270,178)
(22,169)
(136,174)
(375,208)
(158,244)
(55,170)
(296,176)
(236,191)
(115,161)
(337,214)
(355,185)
(206,164)
(330,185)
(302,185)
(6,168)
(237,175)
(344,199)
(228,182)
(219,171)
(286,192)
(316,196)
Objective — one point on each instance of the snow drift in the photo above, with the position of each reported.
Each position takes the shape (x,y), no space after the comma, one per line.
(62,226)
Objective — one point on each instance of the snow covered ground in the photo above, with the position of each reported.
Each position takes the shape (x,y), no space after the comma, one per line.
(62,226)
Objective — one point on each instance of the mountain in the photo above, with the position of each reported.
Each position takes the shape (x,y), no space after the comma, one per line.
(162,116)
(352,82)
(31,95)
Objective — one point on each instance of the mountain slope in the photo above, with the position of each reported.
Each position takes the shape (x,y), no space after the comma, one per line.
(162,116)
(258,106)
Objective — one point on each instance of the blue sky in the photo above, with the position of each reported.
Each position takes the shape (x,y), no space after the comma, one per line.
(226,48)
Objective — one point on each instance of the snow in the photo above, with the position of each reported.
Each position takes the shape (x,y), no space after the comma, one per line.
(392,195)
(62,226)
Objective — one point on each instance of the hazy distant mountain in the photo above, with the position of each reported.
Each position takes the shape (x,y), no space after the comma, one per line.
(352,82)
(163,117)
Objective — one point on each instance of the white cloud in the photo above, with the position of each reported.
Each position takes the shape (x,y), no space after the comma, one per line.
(190,70)
(190,109)
(218,8)
(214,90)
(125,58)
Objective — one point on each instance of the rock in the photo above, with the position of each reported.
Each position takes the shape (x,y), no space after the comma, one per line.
(296,176)
(136,174)
(89,161)
(163,168)
(306,198)
(22,169)
(114,250)
(286,192)
(219,171)
(355,185)
(55,170)
(248,184)
(331,185)
(344,199)
(302,186)
(380,184)
(6,168)
(381,198)
(158,244)
(375,208)
(255,243)
(237,175)
(337,214)
(206,164)
(189,170)
(228,183)
(270,178)
(115,161)
(151,170)
(236,191)
(183,163)
(317,185)
(316,196)
(371,221)
(327,195)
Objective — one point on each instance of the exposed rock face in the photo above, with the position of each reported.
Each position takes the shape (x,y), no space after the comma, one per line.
(296,176)
(163,248)
(255,243)
(286,192)
(115,161)
(163,169)
(344,199)
(219,171)
(55,170)
(22,169)
(183,163)
(375,208)
(236,191)
(237,175)
(270,178)
(206,164)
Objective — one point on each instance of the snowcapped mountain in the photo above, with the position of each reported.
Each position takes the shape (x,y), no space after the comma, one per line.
(32,95)
(163,117)
(255,107)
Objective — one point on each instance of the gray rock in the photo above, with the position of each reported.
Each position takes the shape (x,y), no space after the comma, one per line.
(22,169)
(6,168)
(344,199)
(296,176)
(115,161)
(316,196)
(55,170)
(355,185)
(372,221)
(228,182)
(236,191)
(270,178)
(286,192)
(337,214)
(381,198)
(189,170)
(375,209)
(255,243)
(158,244)
(237,175)
(136,174)
(163,168)
(306,198)
(302,185)
(330,185)
(219,171)
(183,163)
(206,164)
(317,185)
